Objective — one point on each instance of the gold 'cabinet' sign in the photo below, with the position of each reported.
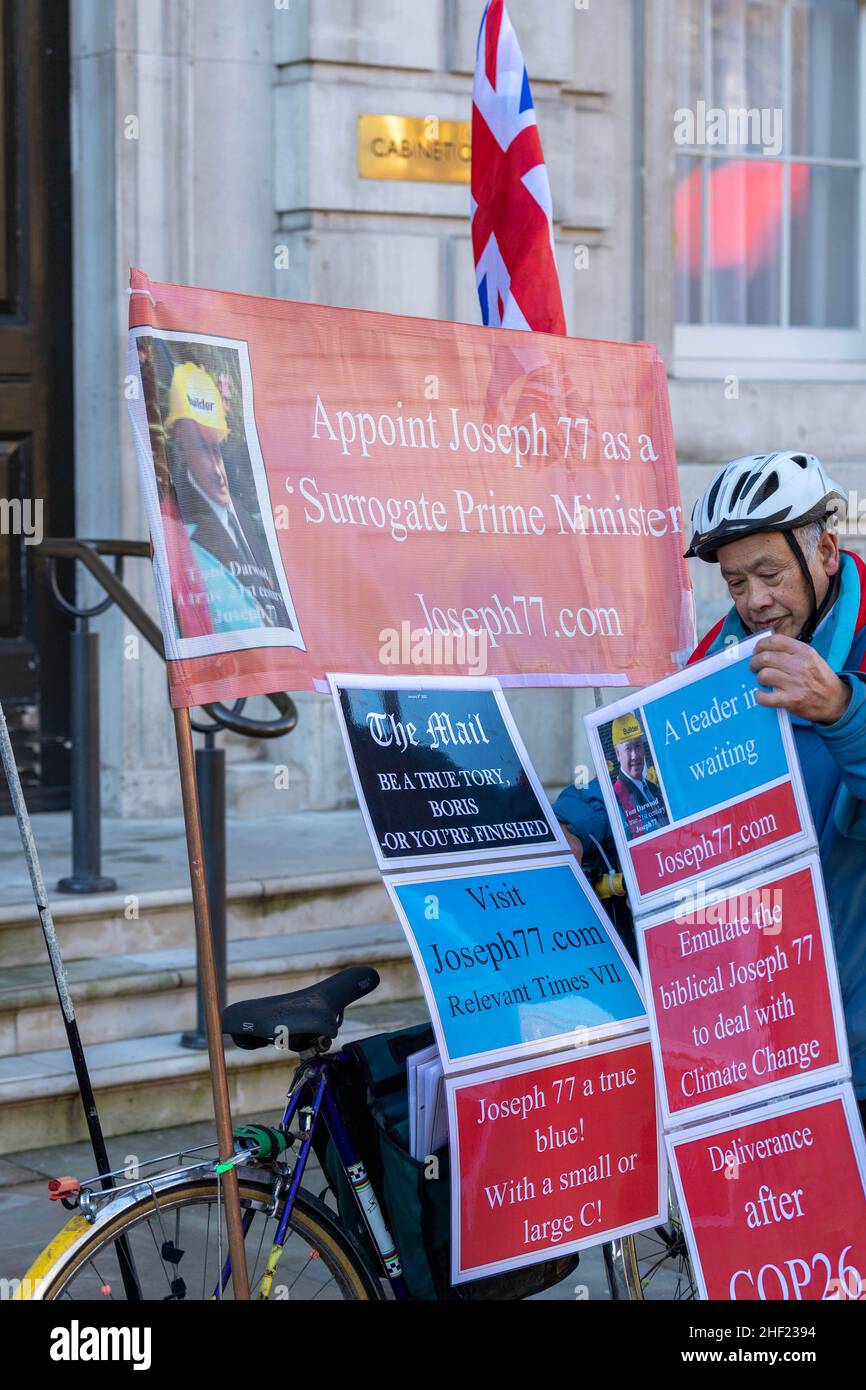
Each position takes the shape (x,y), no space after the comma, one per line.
(421,149)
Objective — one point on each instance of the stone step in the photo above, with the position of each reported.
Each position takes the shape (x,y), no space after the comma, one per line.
(155,920)
(134,995)
(150,1082)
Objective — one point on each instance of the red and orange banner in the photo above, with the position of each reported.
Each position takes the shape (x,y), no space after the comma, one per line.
(329,489)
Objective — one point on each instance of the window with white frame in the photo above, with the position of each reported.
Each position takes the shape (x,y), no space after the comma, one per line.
(769,187)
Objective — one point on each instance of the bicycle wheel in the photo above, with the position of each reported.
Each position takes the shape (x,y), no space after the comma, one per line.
(620,1266)
(176,1249)
(652,1264)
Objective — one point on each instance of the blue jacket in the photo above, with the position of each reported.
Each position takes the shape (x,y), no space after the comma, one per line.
(833,761)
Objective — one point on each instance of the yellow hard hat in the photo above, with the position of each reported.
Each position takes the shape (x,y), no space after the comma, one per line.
(194,395)
(625,729)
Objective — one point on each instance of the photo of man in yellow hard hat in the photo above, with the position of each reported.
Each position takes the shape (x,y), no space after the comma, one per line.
(225,577)
(220,524)
(635,783)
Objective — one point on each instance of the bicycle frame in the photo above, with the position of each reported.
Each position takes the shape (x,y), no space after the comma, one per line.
(311,1080)
(309,1098)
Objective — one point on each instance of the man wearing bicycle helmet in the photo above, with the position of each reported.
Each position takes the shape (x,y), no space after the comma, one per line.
(767,520)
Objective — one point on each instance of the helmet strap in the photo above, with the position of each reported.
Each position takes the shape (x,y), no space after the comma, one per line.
(817,610)
(827,601)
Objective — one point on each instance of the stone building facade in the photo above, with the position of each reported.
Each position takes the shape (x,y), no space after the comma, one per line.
(216,143)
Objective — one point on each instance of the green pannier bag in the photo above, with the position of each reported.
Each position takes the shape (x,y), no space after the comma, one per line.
(371,1092)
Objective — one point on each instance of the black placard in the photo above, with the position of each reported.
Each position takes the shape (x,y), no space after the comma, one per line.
(440,771)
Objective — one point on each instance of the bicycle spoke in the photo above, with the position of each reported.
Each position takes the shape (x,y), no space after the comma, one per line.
(645,1278)
(320,1290)
(158,1250)
(301,1272)
(254,1272)
(220,1286)
(104,1284)
(206,1250)
(660,1263)
(310,1269)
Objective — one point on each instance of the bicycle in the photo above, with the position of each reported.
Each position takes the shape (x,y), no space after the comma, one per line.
(172,1222)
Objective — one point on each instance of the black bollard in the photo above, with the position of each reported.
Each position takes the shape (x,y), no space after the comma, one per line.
(86,876)
(210,773)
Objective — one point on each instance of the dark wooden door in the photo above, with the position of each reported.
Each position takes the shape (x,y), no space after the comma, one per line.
(36,423)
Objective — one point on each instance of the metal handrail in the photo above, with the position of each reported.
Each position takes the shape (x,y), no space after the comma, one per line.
(88,552)
(86,874)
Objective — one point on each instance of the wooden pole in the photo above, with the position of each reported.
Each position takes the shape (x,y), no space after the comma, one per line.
(210,998)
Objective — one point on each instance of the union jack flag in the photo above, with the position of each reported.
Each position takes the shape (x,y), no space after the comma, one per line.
(512,212)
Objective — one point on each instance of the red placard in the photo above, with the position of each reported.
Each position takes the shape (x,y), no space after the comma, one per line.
(552,1157)
(721,837)
(743,999)
(774,1202)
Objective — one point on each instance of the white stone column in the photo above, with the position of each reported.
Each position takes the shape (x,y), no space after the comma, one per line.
(171,171)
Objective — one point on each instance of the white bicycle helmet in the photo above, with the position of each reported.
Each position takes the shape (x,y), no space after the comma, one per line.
(761,492)
(766,492)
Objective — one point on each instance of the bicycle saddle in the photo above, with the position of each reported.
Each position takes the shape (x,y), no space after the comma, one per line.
(304,1014)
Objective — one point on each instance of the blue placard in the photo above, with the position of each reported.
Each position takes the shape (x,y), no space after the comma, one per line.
(514,957)
(712,742)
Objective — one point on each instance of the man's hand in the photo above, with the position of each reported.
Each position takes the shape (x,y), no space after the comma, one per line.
(574,842)
(802,682)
